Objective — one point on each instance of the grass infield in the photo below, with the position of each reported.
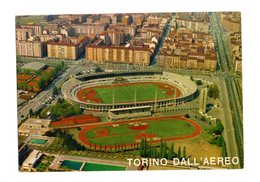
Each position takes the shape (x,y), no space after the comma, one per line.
(128,92)
(126,132)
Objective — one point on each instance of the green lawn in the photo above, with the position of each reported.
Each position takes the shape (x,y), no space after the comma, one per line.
(44,163)
(170,128)
(163,129)
(39,20)
(113,140)
(127,93)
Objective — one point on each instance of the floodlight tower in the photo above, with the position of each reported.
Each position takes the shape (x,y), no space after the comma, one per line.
(155,100)
(113,99)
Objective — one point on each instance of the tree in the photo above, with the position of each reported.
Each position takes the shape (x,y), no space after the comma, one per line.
(55,90)
(128,37)
(184,152)
(213,91)
(31,112)
(98,69)
(191,78)
(165,148)
(187,116)
(171,152)
(161,149)
(179,153)
(203,118)
(217,129)
(199,82)
(42,82)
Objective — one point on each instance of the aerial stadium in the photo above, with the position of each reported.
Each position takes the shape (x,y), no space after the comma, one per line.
(128,91)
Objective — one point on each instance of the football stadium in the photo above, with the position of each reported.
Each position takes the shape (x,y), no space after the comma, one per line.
(135,92)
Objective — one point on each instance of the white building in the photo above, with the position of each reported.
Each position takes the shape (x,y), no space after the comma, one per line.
(31,160)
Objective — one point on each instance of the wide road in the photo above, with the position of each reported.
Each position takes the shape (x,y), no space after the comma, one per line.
(233,132)
(35,103)
(164,35)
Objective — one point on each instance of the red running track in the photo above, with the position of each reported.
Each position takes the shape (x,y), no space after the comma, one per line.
(197,129)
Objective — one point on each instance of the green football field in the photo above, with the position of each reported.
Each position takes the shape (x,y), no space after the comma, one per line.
(128,93)
(123,134)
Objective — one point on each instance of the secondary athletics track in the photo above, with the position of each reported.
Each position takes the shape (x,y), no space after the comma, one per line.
(197,130)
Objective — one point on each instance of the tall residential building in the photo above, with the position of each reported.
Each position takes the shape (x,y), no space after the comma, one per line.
(132,29)
(31,49)
(231,21)
(105,19)
(38,29)
(138,19)
(154,20)
(203,100)
(194,21)
(189,50)
(116,37)
(88,29)
(235,49)
(117,54)
(67,50)
(126,20)
(24,33)
(67,31)
(92,18)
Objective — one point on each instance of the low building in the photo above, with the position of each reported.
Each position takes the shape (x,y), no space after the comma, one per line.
(35,66)
(33,126)
(31,160)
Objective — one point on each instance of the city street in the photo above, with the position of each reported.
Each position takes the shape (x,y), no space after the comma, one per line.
(36,102)
(233,136)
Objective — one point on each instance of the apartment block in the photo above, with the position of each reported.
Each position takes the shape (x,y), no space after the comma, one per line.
(31,49)
(67,49)
(117,54)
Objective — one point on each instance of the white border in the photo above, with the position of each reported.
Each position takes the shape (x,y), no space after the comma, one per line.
(250,31)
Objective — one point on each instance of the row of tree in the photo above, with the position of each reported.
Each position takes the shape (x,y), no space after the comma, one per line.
(47,78)
(24,86)
(114,148)
(165,151)
(217,136)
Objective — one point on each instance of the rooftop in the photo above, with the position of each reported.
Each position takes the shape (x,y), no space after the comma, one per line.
(34,66)
(32,158)
(34,121)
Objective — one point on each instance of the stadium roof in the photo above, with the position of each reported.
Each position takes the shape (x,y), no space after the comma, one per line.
(34,66)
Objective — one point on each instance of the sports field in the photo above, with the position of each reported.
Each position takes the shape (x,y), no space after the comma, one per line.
(128,92)
(165,128)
